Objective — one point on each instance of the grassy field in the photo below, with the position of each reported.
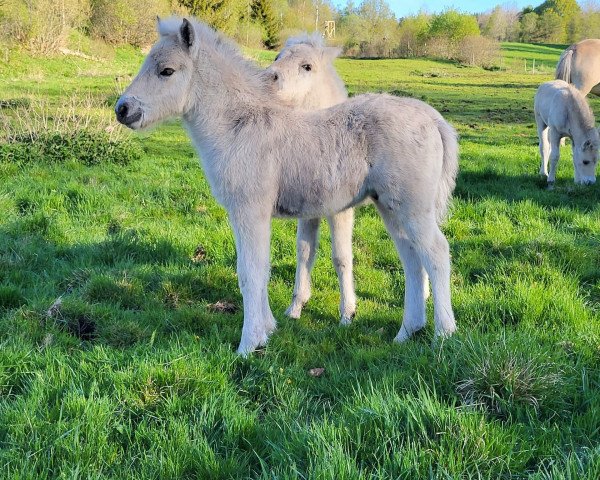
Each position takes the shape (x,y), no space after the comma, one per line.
(134,374)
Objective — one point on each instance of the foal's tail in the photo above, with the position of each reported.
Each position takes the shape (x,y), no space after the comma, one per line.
(563,69)
(449,169)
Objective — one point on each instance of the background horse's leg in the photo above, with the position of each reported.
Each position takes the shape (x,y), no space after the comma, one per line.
(307,239)
(252,240)
(341,226)
(414,317)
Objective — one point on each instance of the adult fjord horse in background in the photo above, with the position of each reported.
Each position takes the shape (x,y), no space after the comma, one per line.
(264,159)
(579,65)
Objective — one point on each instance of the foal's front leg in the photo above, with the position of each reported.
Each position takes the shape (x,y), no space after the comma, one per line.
(341,225)
(554,143)
(306,246)
(252,239)
(544,148)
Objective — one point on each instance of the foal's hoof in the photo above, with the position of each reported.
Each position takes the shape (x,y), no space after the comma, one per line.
(252,342)
(443,333)
(550,186)
(294,310)
(346,320)
(404,334)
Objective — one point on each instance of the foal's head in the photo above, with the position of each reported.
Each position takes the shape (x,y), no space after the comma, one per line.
(585,159)
(303,73)
(161,88)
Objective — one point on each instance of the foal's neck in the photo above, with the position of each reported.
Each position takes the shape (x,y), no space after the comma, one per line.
(225,81)
(584,119)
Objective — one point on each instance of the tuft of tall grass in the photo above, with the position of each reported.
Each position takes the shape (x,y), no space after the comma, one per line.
(83,130)
(509,377)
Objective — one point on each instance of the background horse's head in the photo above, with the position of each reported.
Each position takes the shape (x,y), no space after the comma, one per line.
(303,73)
(161,88)
(585,158)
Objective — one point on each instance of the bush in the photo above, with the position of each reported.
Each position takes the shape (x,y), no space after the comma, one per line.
(86,147)
(440,47)
(250,34)
(43,26)
(478,51)
(83,130)
(125,22)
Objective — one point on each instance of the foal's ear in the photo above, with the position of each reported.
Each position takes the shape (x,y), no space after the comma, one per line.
(329,53)
(187,33)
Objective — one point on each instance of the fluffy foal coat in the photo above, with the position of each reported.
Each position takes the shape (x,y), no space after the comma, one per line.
(264,159)
(562,111)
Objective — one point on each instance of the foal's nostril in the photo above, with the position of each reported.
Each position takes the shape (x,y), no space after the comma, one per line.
(122,111)
(586,162)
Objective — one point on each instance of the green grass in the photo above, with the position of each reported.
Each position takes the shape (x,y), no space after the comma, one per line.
(133,373)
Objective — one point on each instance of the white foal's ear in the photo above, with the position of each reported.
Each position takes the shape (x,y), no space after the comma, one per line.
(329,53)
(187,33)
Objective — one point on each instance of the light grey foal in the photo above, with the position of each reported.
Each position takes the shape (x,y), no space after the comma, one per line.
(305,78)
(562,111)
(264,159)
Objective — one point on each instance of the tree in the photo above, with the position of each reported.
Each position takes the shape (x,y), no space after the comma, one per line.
(590,19)
(500,24)
(567,12)
(370,29)
(412,33)
(529,27)
(550,27)
(223,15)
(453,25)
(263,13)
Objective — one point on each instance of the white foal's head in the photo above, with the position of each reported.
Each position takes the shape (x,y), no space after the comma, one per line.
(303,73)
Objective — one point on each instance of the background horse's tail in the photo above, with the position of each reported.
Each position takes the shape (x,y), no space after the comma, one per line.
(449,169)
(563,69)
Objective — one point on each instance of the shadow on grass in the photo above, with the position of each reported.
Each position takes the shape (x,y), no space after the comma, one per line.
(513,188)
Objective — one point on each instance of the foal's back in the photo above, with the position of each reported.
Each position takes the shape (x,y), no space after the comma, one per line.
(557,103)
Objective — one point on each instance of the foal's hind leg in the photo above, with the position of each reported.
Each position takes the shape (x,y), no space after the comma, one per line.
(434,251)
(306,247)
(424,236)
(341,251)
(415,278)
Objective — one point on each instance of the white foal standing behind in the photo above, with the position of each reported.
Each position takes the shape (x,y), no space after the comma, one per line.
(264,159)
(562,111)
(304,77)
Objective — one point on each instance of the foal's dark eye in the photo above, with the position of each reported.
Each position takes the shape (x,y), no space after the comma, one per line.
(307,67)
(167,72)
(275,77)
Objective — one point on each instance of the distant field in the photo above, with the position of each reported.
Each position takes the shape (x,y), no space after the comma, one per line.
(135,374)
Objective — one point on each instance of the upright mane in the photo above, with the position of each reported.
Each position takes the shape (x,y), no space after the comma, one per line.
(315,40)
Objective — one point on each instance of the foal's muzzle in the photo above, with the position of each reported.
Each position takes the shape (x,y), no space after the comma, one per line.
(128,111)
